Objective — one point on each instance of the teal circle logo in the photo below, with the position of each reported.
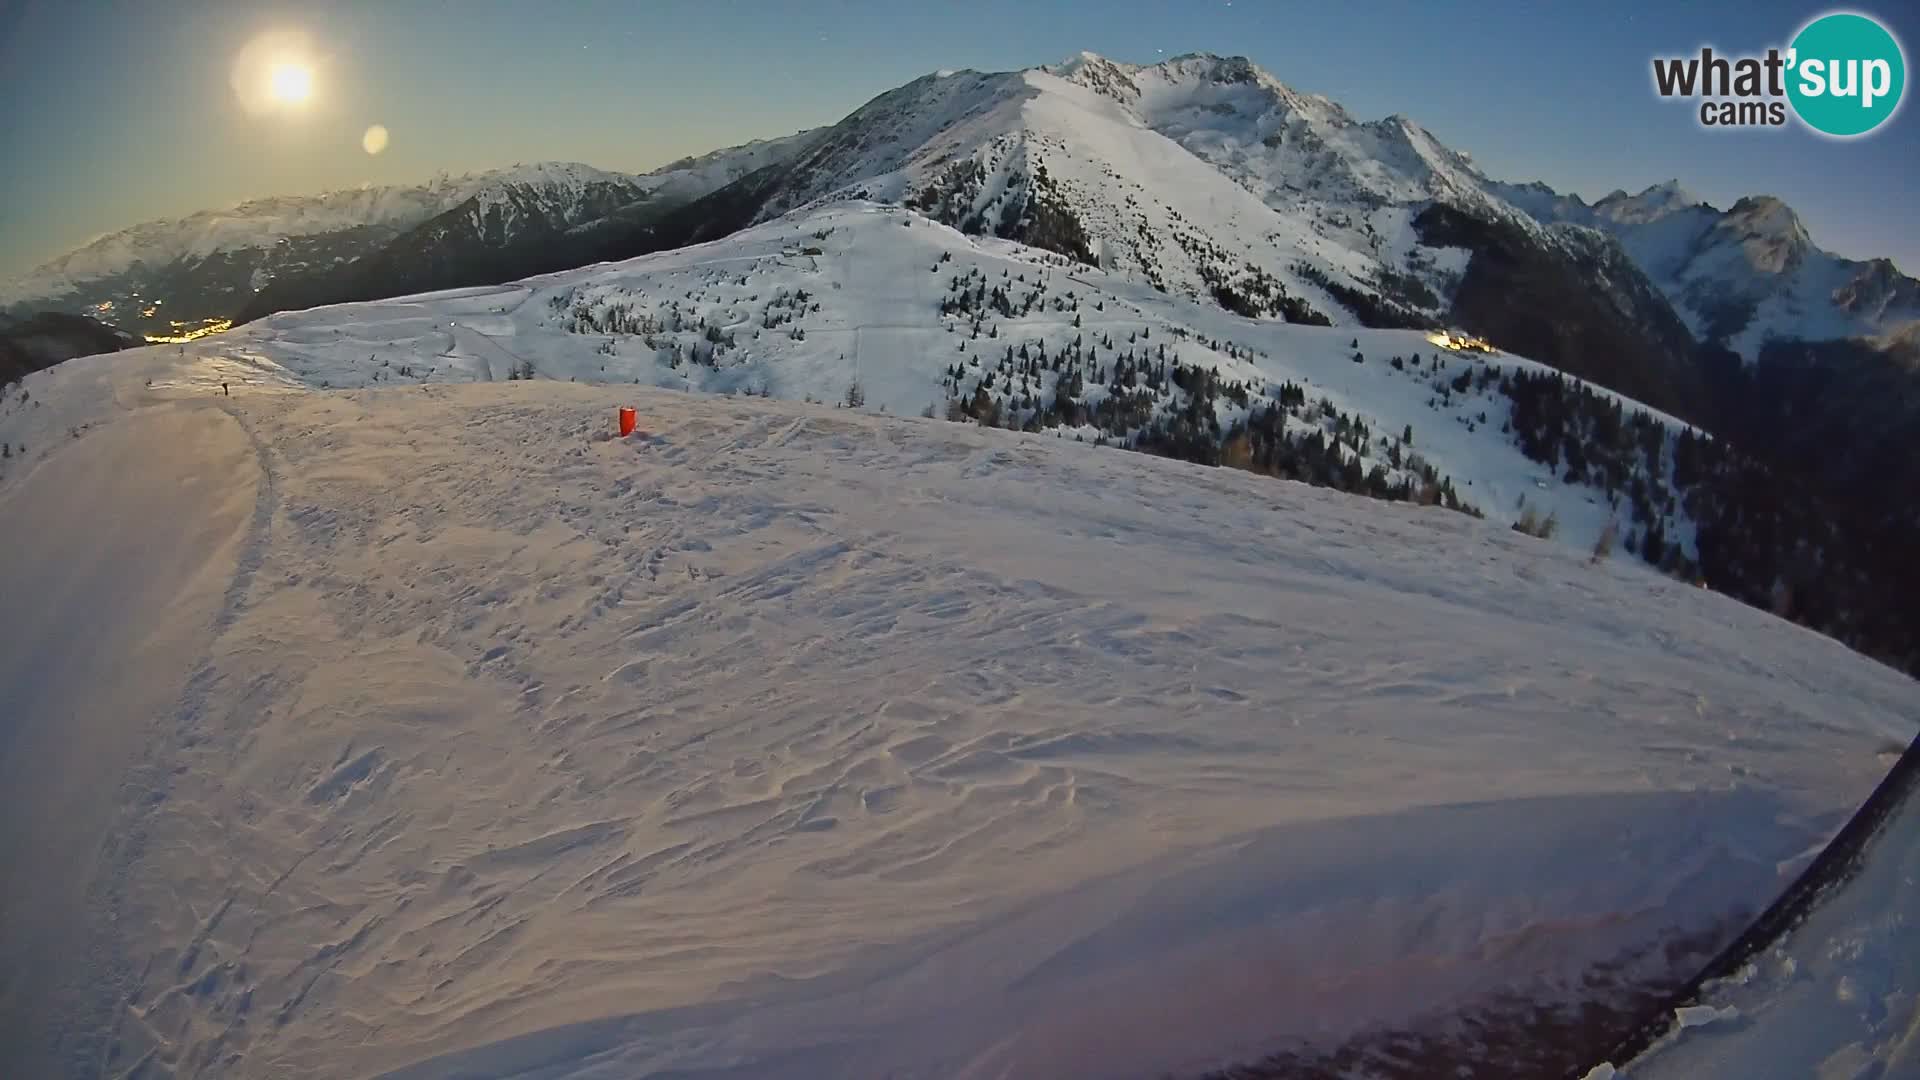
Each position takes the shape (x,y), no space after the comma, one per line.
(1846,74)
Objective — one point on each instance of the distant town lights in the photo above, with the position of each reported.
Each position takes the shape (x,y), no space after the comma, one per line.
(1461,341)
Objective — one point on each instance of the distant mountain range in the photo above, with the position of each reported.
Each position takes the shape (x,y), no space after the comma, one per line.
(1743,276)
(166,276)
(1204,174)
(1208,184)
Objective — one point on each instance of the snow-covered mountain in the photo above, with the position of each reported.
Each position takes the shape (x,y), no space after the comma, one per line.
(879,305)
(485,232)
(1202,174)
(923,317)
(1741,276)
(164,276)
(1298,152)
(691,177)
(257,224)
(1207,178)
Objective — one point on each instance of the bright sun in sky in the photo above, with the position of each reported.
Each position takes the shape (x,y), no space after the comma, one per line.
(291,83)
(277,72)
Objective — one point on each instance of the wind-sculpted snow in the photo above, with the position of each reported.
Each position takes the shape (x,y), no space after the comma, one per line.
(798,741)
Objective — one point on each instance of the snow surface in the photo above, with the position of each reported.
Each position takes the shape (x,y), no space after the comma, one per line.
(1833,1000)
(796,741)
(879,286)
(104,624)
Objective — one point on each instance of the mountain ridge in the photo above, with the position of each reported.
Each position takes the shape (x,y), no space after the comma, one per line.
(1742,276)
(205,266)
(1309,214)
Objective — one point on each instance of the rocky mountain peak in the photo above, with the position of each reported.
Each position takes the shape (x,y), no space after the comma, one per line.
(1768,231)
(1655,202)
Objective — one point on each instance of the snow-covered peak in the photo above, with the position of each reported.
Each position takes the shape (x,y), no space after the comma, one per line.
(1099,74)
(132,273)
(1286,146)
(1656,202)
(1877,288)
(1195,79)
(255,223)
(1768,231)
(1673,191)
(565,188)
(1071,67)
(1211,67)
(1203,174)
(557,174)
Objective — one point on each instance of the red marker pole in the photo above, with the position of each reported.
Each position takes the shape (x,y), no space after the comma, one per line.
(628,419)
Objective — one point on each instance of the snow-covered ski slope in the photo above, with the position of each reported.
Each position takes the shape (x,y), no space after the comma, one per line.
(796,741)
(852,292)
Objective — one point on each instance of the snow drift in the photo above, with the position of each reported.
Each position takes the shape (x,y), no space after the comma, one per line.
(788,740)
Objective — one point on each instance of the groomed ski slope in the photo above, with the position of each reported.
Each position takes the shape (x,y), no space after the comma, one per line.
(805,742)
(878,280)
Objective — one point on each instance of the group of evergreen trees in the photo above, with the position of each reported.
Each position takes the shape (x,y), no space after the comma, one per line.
(1402,303)
(689,329)
(1141,395)
(1244,289)
(1762,534)
(1322,446)
(1588,437)
(1030,207)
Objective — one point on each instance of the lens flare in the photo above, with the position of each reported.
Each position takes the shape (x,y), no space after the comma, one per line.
(375,140)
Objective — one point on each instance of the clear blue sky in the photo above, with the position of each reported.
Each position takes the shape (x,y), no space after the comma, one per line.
(117,113)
